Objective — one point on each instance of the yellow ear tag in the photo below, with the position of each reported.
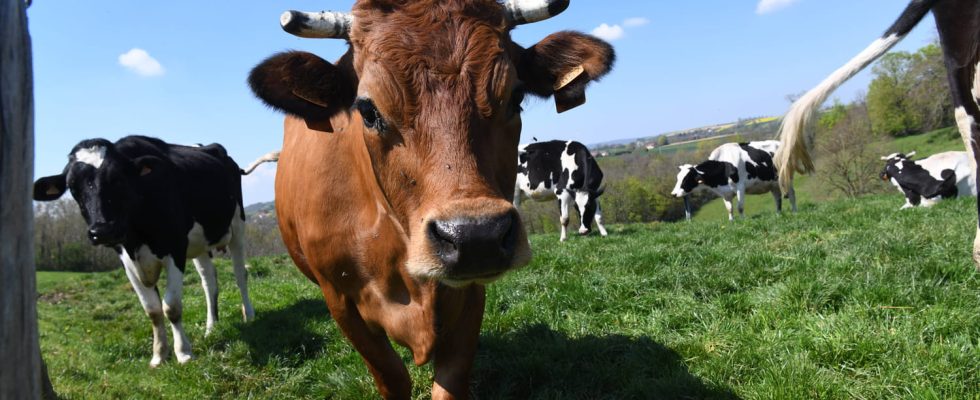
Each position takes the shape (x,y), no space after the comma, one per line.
(569,77)
(52,191)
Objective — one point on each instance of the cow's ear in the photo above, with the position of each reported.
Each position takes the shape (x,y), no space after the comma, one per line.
(909,156)
(303,85)
(150,167)
(49,188)
(563,64)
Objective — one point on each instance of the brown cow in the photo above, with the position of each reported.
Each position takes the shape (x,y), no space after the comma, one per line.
(397,167)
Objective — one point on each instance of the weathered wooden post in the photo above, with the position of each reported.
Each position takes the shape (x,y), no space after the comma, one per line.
(20,354)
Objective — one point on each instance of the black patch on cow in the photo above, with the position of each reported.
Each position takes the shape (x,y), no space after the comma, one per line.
(148,192)
(713,173)
(764,168)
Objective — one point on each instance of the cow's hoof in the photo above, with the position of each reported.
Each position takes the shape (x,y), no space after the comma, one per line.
(248,313)
(156,361)
(184,358)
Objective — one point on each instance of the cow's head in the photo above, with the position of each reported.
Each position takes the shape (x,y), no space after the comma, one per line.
(893,164)
(106,186)
(435,88)
(688,179)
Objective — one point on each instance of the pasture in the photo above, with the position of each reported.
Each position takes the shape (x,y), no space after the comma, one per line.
(847,299)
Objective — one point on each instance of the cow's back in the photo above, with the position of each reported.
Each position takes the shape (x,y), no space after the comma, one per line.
(959,163)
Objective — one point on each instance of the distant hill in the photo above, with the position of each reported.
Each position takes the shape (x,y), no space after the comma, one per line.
(761,127)
(261,210)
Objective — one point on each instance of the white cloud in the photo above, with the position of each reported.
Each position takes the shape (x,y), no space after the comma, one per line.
(609,32)
(140,62)
(769,6)
(635,21)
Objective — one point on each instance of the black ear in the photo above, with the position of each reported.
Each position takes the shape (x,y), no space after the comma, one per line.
(49,188)
(151,167)
(301,84)
(563,64)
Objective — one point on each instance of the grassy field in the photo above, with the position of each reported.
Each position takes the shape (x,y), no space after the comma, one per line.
(924,145)
(849,299)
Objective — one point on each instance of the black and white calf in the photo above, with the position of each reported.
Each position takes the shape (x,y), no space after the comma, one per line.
(927,181)
(958,23)
(565,171)
(157,205)
(734,170)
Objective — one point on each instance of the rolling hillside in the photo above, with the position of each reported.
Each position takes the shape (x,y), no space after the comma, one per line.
(847,299)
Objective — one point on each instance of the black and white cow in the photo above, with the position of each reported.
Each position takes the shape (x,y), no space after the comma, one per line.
(958,23)
(734,170)
(157,205)
(927,181)
(565,171)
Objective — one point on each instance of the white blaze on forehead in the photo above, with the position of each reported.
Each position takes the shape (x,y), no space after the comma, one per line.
(685,169)
(93,156)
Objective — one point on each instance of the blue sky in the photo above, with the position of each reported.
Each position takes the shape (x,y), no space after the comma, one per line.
(681,64)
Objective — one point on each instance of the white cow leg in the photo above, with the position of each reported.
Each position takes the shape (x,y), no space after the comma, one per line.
(209,282)
(173,309)
(237,248)
(564,202)
(150,299)
(581,201)
(728,206)
(598,219)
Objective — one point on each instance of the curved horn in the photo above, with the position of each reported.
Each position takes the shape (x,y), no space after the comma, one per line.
(522,12)
(317,25)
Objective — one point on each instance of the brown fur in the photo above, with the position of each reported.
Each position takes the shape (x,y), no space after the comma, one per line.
(354,205)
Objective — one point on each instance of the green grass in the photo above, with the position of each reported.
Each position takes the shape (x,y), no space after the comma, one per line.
(926,144)
(849,299)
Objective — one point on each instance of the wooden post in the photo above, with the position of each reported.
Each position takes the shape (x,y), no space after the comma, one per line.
(20,353)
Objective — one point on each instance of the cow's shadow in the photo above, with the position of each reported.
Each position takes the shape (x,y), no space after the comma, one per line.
(538,362)
(286,331)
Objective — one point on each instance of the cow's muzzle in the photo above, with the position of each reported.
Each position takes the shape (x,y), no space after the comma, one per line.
(474,249)
(105,234)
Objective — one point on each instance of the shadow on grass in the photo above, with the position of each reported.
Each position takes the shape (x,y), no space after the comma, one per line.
(286,334)
(538,362)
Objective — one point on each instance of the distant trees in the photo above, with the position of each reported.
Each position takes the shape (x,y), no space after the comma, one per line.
(847,153)
(910,93)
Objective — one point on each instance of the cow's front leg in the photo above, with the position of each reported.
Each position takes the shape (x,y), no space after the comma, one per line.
(173,309)
(564,203)
(389,372)
(728,206)
(150,299)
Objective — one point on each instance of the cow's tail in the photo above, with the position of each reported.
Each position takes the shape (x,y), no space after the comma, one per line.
(793,155)
(602,189)
(270,157)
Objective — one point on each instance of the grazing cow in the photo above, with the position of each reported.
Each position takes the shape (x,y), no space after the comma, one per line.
(927,181)
(397,166)
(958,22)
(565,171)
(157,205)
(734,170)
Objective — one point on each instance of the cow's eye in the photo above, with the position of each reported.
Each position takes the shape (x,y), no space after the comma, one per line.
(370,114)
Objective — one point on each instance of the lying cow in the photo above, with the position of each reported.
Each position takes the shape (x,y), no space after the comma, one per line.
(397,166)
(157,205)
(564,171)
(958,22)
(734,170)
(927,181)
